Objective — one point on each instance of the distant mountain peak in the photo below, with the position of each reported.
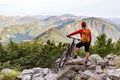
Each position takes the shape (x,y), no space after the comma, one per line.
(69,15)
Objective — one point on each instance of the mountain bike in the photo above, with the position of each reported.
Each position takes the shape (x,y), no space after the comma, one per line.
(68,54)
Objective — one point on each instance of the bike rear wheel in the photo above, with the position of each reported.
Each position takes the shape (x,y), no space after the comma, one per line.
(63,59)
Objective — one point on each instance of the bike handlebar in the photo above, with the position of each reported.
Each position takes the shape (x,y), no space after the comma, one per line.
(74,38)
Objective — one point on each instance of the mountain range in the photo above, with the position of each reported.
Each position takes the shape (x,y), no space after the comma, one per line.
(55,28)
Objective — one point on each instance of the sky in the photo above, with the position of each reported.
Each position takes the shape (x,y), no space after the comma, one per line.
(91,8)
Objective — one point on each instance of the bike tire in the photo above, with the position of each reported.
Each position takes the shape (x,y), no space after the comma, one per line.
(63,59)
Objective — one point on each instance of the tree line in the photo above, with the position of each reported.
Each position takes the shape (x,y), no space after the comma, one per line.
(31,54)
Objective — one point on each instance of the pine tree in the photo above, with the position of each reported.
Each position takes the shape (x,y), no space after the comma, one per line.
(102,46)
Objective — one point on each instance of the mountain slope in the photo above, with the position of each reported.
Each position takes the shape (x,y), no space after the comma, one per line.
(53,35)
(6,21)
(23,32)
(30,27)
(97,27)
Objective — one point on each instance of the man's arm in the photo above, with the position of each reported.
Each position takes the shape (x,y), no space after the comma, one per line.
(73,33)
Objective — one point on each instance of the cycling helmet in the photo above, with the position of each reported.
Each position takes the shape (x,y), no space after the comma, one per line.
(83,24)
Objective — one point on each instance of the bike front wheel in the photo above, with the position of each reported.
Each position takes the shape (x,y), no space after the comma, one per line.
(63,59)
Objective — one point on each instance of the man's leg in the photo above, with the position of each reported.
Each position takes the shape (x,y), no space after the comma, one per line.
(87,45)
(87,55)
(75,52)
(78,45)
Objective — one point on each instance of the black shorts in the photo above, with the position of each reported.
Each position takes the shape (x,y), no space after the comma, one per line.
(85,44)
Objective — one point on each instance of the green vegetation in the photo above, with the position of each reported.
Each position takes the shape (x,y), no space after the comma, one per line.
(102,46)
(9,76)
(31,54)
(117,62)
(24,55)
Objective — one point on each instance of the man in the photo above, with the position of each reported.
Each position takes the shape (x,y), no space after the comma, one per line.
(85,43)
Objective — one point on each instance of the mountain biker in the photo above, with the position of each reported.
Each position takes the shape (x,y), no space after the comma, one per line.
(82,43)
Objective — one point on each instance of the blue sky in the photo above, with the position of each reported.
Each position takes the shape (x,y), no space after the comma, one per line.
(92,8)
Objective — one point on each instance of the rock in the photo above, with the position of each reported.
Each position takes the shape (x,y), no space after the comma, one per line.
(37,70)
(45,71)
(27,71)
(98,69)
(101,63)
(98,60)
(69,75)
(111,63)
(111,56)
(110,59)
(39,78)
(92,67)
(76,68)
(114,74)
(107,78)
(90,62)
(26,77)
(95,57)
(78,61)
(87,74)
(104,76)
(6,70)
(40,75)
(97,77)
(51,76)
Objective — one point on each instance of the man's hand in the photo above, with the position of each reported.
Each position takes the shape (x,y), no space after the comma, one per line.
(67,36)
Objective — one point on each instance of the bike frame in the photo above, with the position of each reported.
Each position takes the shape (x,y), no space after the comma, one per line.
(65,57)
(71,47)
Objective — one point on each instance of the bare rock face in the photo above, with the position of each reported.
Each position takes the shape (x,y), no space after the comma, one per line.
(97,68)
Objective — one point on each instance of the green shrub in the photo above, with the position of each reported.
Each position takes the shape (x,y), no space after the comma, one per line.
(9,76)
(102,46)
(117,62)
(81,52)
(30,54)
(117,47)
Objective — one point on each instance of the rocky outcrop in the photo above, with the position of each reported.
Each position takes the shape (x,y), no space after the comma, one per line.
(97,68)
